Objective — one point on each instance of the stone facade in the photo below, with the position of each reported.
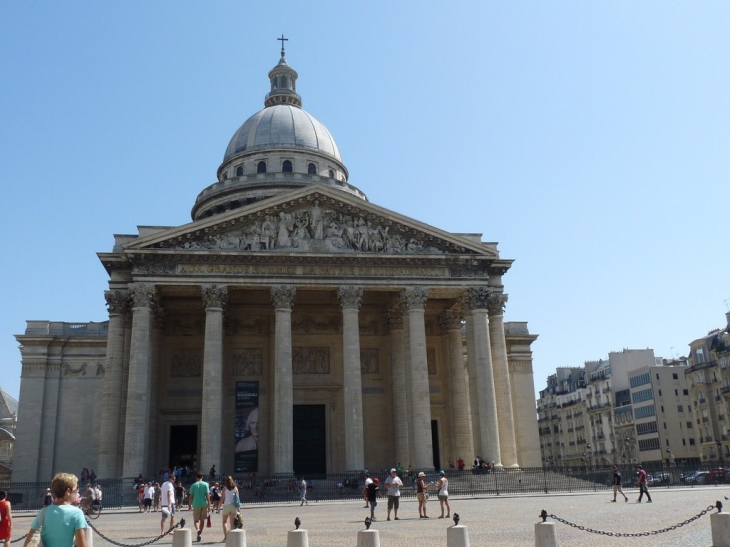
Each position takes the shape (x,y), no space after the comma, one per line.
(312,298)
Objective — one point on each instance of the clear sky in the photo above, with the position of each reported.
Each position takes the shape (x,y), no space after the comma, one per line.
(590,139)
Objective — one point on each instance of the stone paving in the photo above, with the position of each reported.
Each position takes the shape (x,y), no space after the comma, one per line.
(493,521)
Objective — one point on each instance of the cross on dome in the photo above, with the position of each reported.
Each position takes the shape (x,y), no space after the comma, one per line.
(282,40)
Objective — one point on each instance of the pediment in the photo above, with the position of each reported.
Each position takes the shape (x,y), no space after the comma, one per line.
(316,220)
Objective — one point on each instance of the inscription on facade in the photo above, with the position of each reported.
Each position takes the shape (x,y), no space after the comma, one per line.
(310,360)
(337,271)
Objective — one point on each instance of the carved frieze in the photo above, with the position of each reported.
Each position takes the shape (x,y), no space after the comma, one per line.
(184,325)
(316,228)
(214,296)
(186,363)
(309,324)
(369,361)
(70,370)
(350,297)
(415,298)
(431,361)
(100,369)
(371,326)
(234,326)
(496,303)
(310,360)
(117,302)
(247,362)
(282,296)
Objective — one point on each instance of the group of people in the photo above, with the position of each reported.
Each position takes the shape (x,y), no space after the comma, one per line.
(641,482)
(393,484)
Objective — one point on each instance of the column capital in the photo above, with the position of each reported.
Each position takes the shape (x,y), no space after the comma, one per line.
(496,303)
(117,302)
(214,296)
(451,319)
(143,295)
(350,297)
(477,297)
(415,298)
(282,296)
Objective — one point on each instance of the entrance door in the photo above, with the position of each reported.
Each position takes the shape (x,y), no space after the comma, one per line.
(183,445)
(310,440)
(435,440)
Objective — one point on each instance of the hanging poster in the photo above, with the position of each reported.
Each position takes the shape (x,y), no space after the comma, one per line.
(246,456)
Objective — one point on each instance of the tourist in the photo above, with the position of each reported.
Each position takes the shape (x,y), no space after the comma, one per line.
(156,497)
(393,484)
(368,481)
(149,493)
(303,492)
(199,495)
(63,524)
(617,484)
(372,492)
(167,499)
(443,494)
(6,519)
(461,464)
(641,482)
(48,498)
(215,497)
(230,493)
(422,495)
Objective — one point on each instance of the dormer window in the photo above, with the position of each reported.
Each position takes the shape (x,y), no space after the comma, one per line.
(261,167)
(311,169)
(286,167)
(239,171)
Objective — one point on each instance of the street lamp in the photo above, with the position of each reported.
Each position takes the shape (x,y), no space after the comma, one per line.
(590,455)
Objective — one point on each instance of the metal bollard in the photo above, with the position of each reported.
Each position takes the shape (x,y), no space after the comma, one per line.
(720,524)
(236,538)
(89,534)
(368,538)
(297,538)
(457,536)
(182,537)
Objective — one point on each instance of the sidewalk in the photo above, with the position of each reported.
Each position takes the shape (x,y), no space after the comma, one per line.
(497,520)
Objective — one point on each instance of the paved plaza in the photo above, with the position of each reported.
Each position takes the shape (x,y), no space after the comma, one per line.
(493,521)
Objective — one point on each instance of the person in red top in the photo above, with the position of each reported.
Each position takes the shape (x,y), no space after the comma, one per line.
(6,519)
(641,482)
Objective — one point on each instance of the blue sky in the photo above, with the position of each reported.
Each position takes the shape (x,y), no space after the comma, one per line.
(590,139)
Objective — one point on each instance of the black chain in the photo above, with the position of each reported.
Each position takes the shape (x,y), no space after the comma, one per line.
(637,534)
(21,538)
(150,542)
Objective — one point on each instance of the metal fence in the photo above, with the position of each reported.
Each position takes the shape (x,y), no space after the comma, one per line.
(349,486)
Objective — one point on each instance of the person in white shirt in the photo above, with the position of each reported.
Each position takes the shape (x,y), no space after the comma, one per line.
(149,492)
(393,484)
(167,499)
(368,480)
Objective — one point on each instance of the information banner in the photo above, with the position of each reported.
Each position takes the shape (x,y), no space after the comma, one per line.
(246,456)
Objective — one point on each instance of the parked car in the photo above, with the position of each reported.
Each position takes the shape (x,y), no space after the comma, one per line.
(659,478)
(695,477)
(716,475)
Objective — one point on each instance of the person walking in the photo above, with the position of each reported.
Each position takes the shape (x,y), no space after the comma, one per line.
(422,495)
(61,524)
(230,509)
(641,481)
(368,481)
(303,492)
(372,492)
(167,499)
(200,501)
(617,484)
(443,494)
(393,484)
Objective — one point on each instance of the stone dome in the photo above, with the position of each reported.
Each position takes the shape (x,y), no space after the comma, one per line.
(278,149)
(282,126)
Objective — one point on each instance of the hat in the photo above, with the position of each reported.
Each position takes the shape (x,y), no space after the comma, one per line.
(422,474)
(442,472)
(392,470)
(376,480)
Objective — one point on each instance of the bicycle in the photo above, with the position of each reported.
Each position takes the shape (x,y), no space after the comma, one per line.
(91,508)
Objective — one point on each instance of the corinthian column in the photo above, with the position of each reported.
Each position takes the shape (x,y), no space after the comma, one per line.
(422,447)
(486,397)
(507,442)
(471,366)
(137,421)
(283,297)
(459,400)
(118,304)
(394,323)
(215,297)
(350,298)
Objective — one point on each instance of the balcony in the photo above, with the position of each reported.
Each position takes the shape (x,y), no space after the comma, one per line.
(705,419)
(725,390)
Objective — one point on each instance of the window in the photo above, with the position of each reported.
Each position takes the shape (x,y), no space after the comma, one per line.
(691,442)
(684,443)
(311,169)
(676,393)
(665,425)
(239,171)
(685,392)
(657,376)
(640,380)
(660,393)
(680,408)
(640,396)
(674,376)
(331,174)
(286,167)
(689,425)
(261,167)
(645,412)
(700,356)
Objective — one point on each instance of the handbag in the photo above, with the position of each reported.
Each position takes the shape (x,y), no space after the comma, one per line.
(236,500)
(36,540)
(209,523)
(238,521)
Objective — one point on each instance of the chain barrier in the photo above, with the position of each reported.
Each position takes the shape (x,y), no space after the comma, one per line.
(180,524)
(21,538)
(717,506)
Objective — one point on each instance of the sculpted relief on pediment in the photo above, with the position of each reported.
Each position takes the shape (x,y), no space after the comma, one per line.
(315,228)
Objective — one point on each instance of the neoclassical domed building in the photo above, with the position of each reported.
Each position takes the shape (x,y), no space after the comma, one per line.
(292,326)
